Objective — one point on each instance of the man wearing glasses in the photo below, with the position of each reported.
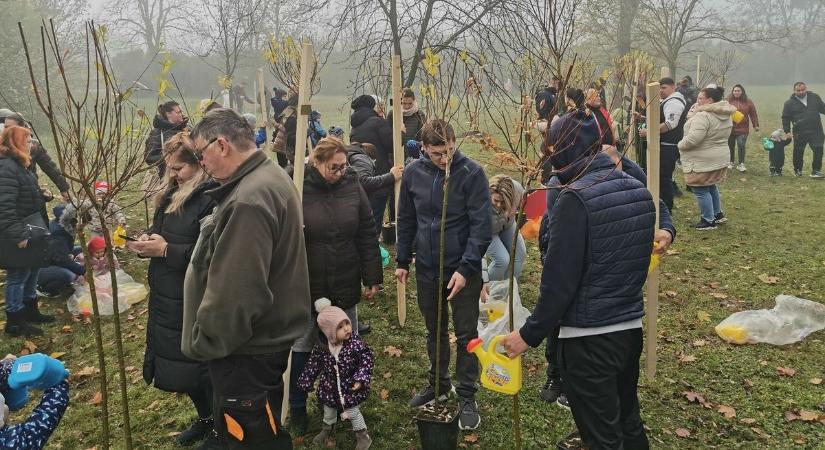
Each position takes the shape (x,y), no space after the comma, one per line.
(468,233)
(246,294)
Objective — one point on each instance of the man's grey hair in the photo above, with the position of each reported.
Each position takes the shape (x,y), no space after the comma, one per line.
(226,123)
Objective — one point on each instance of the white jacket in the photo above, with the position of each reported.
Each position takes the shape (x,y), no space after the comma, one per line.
(704,147)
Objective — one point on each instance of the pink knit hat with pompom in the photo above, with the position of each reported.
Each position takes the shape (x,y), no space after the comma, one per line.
(329,317)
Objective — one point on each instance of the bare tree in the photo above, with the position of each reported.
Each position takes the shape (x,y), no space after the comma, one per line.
(227,30)
(674,28)
(377,29)
(148,20)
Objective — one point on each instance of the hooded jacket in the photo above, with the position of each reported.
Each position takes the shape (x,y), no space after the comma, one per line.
(163,363)
(354,364)
(704,147)
(61,240)
(468,230)
(748,109)
(341,241)
(805,119)
(246,290)
(364,166)
(161,133)
(20,197)
(369,128)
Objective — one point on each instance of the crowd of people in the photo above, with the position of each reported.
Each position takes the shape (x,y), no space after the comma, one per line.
(245,271)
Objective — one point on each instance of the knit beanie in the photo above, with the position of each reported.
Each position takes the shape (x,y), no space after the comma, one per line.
(778,135)
(329,317)
(101,187)
(413,149)
(363,101)
(96,244)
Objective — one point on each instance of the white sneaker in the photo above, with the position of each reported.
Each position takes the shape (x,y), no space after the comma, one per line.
(730,166)
(741,167)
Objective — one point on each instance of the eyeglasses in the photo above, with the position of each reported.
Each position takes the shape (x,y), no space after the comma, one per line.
(336,168)
(199,152)
(437,155)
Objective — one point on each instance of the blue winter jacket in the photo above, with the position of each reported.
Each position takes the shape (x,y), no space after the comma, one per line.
(35,431)
(468,226)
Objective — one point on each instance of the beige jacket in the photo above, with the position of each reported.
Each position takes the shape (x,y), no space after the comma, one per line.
(704,147)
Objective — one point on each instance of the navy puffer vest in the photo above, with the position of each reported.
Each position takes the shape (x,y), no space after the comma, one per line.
(620,228)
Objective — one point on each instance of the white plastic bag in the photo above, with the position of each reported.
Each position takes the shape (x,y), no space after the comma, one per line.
(129,293)
(496,309)
(789,321)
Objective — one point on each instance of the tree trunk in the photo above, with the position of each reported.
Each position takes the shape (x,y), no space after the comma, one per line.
(627,14)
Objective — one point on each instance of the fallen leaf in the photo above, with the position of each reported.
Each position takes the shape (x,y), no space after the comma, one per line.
(57,355)
(387,375)
(703,316)
(98,397)
(790,416)
(30,346)
(673,252)
(748,383)
(686,358)
(384,394)
(715,285)
(700,343)
(760,432)
(816,381)
(727,411)
(85,372)
(808,416)
(763,362)
(785,371)
(748,421)
(670,294)
(66,329)
(682,432)
(392,351)
(173,433)
(745,267)
(718,295)
(695,397)
(471,438)
(767,279)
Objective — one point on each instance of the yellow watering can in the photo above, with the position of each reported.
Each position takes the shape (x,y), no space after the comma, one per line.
(737,117)
(655,258)
(498,372)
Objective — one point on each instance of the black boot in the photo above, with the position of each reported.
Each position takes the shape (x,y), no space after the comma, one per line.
(16,325)
(32,312)
(363,327)
(196,431)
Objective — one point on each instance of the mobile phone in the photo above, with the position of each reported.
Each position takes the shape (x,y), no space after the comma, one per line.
(128,238)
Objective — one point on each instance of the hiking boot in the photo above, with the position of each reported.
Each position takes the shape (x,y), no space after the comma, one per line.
(720,218)
(562,401)
(32,313)
(363,328)
(363,441)
(212,442)
(468,418)
(325,435)
(797,172)
(704,225)
(46,294)
(16,325)
(551,390)
(427,395)
(741,167)
(816,174)
(196,431)
(298,420)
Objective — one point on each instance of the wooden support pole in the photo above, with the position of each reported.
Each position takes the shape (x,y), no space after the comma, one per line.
(262,93)
(304,108)
(652,289)
(631,129)
(665,72)
(698,65)
(398,157)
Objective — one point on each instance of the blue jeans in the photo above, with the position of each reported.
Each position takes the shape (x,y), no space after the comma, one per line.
(499,253)
(21,284)
(378,203)
(55,279)
(708,199)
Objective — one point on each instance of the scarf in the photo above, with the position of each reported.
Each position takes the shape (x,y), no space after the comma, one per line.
(413,109)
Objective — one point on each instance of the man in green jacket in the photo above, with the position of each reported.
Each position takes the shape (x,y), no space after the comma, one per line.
(246,294)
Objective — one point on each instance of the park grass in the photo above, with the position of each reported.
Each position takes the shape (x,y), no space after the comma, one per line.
(775,227)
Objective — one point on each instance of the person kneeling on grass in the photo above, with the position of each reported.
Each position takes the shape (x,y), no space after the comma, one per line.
(601,232)
(468,232)
(36,430)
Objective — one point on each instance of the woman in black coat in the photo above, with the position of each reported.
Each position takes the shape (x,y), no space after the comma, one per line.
(342,250)
(167,123)
(169,243)
(20,198)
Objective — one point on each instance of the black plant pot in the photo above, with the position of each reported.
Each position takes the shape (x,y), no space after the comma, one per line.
(436,433)
(388,233)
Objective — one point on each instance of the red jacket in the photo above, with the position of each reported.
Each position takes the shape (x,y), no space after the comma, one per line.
(749,110)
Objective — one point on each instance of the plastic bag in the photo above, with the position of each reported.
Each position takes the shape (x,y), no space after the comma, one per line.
(494,314)
(129,293)
(789,321)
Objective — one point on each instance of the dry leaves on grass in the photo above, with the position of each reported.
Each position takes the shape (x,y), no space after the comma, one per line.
(57,355)
(803,415)
(670,294)
(695,397)
(391,350)
(682,432)
(97,399)
(66,329)
(815,381)
(683,358)
(384,394)
(767,279)
(718,295)
(785,371)
(726,411)
(748,421)
(700,343)
(472,438)
(703,316)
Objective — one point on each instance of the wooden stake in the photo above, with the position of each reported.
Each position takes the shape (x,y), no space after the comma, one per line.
(631,129)
(262,93)
(398,156)
(698,65)
(304,108)
(652,290)
(665,72)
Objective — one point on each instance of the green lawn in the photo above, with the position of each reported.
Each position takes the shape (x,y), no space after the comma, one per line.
(775,228)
